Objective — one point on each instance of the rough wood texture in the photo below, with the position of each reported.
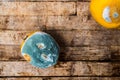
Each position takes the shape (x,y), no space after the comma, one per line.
(44,0)
(87,49)
(37,8)
(82,21)
(22,22)
(48,22)
(37,0)
(83,9)
(94,53)
(61,69)
(63,78)
(68,38)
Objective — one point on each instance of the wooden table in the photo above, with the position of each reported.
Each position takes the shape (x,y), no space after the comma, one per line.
(88,51)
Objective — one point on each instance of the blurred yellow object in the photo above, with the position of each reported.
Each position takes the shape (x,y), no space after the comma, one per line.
(106,12)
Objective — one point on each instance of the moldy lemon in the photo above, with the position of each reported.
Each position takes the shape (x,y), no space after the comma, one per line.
(106,12)
(40,49)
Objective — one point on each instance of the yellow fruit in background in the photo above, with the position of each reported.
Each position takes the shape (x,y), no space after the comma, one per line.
(106,12)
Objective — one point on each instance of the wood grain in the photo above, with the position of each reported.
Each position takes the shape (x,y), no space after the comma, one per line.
(61,69)
(83,9)
(63,78)
(88,51)
(22,22)
(71,23)
(91,53)
(39,0)
(37,8)
(68,38)
(48,23)
(44,0)
(82,21)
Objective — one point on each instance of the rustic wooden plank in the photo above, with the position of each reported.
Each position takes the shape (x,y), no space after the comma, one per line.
(83,21)
(38,0)
(37,8)
(98,53)
(43,0)
(48,22)
(115,52)
(72,23)
(61,69)
(63,78)
(8,52)
(22,22)
(68,38)
(17,36)
(83,9)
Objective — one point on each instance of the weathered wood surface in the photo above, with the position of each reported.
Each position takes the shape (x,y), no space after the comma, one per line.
(63,78)
(39,0)
(61,69)
(45,8)
(91,53)
(87,49)
(37,8)
(68,38)
(82,20)
(48,22)
(44,0)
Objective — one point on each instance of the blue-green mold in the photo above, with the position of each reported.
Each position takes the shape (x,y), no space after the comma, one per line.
(41,50)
